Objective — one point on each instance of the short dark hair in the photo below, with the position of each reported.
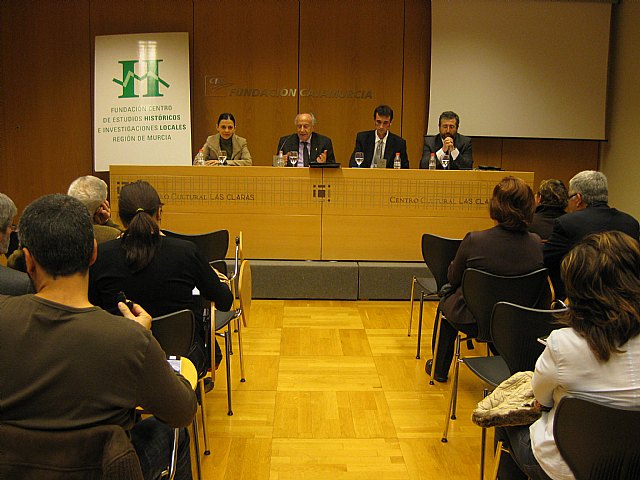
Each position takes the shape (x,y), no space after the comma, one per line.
(58,232)
(139,203)
(602,278)
(553,192)
(226,116)
(383,111)
(512,204)
(449,115)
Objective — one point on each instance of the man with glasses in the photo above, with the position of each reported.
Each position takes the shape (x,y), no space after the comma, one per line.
(589,212)
(12,282)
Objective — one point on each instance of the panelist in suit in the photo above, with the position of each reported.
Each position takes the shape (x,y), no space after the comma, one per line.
(12,282)
(448,141)
(311,147)
(226,140)
(380,143)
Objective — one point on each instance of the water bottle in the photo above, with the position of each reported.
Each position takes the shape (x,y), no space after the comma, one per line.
(397,164)
(280,159)
(199,158)
(432,161)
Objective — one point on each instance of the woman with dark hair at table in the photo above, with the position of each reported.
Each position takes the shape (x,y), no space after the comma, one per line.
(505,249)
(227,142)
(597,358)
(153,270)
(551,202)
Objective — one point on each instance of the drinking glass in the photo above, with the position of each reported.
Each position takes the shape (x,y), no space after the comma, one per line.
(293,158)
(445,161)
(222,158)
(359,157)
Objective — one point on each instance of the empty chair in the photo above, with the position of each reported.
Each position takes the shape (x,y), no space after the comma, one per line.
(437,252)
(515,331)
(481,291)
(598,441)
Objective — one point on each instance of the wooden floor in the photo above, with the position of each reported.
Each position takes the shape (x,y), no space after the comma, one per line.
(334,391)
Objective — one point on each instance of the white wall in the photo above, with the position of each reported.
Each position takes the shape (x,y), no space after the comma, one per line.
(620,156)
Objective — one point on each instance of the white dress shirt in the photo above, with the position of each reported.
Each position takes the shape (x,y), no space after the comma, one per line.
(568,367)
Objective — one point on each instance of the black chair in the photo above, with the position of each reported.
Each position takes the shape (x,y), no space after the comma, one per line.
(174,332)
(515,331)
(437,252)
(213,245)
(598,441)
(103,451)
(481,291)
(222,328)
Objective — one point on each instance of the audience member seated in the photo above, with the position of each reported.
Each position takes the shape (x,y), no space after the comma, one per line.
(227,142)
(311,147)
(596,357)
(505,249)
(588,213)
(154,270)
(69,365)
(551,202)
(92,192)
(380,143)
(12,282)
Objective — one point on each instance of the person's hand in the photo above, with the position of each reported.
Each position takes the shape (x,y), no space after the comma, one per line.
(447,145)
(102,214)
(137,314)
(322,158)
(211,162)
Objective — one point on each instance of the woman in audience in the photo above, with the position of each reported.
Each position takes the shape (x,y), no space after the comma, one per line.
(596,358)
(154,270)
(506,249)
(227,142)
(551,201)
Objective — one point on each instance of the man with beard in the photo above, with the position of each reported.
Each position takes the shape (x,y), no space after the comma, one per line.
(448,143)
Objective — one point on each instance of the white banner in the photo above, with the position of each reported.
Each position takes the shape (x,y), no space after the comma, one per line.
(142,100)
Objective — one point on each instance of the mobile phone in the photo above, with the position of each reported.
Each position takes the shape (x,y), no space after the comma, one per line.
(174,362)
(121,297)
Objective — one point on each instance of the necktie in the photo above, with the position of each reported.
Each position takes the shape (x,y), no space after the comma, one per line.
(305,153)
(378,155)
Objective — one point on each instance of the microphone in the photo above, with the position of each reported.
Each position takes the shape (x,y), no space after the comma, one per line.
(285,141)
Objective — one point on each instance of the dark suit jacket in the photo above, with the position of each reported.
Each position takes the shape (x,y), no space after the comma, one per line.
(319,143)
(569,229)
(433,143)
(496,250)
(13,282)
(366,143)
(544,218)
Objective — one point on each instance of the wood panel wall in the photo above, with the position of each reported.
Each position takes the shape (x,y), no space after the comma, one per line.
(46,79)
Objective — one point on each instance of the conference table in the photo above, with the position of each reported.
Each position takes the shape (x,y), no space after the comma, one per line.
(320,213)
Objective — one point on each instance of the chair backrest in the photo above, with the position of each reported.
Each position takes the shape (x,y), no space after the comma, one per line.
(244,291)
(101,452)
(482,290)
(598,441)
(438,253)
(174,332)
(515,331)
(213,245)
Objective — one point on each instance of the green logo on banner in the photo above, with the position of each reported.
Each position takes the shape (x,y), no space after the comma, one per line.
(151,76)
